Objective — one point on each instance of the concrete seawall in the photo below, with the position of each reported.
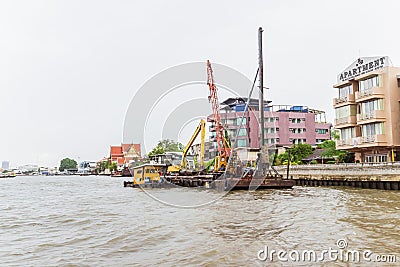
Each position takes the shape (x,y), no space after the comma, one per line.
(376,176)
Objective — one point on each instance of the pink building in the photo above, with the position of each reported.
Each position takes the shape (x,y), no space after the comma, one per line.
(283,125)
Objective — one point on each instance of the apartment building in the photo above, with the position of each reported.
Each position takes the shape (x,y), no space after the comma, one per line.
(283,125)
(367,110)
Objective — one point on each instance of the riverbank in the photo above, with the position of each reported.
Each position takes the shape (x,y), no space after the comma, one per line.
(385,176)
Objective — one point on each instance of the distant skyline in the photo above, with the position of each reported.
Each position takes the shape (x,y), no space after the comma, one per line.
(69,69)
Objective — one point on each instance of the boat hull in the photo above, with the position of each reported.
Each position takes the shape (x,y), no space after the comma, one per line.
(253,184)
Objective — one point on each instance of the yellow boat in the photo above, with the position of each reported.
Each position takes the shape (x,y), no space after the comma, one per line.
(148,174)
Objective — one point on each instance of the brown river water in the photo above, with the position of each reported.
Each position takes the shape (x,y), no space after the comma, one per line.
(95,221)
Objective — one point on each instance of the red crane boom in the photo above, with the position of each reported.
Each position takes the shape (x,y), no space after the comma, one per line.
(223,150)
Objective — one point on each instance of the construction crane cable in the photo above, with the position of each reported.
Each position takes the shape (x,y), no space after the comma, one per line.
(245,108)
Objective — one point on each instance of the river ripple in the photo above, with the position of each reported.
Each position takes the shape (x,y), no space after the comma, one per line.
(94,221)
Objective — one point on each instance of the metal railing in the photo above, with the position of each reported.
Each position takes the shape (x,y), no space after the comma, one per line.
(365,93)
(368,139)
(340,100)
(367,116)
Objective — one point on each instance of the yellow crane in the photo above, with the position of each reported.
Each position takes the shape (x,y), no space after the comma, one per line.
(201,128)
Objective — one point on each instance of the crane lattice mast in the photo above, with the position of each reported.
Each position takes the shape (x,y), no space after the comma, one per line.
(223,150)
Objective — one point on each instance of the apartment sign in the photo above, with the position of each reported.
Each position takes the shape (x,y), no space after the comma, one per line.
(362,66)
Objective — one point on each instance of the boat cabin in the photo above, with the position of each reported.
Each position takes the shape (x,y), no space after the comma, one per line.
(148,173)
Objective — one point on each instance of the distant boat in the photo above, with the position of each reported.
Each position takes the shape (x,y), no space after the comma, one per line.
(8,175)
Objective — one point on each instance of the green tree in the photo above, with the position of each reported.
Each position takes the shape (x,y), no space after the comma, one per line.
(297,153)
(329,147)
(67,163)
(112,166)
(335,134)
(301,151)
(166,145)
(103,165)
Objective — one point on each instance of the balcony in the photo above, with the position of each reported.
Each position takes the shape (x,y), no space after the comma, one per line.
(378,139)
(374,92)
(344,100)
(346,122)
(345,143)
(363,141)
(375,115)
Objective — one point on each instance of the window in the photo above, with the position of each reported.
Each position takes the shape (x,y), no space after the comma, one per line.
(304,130)
(276,119)
(347,133)
(242,132)
(296,120)
(345,111)
(304,140)
(321,131)
(269,130)
(372,129)
(277,140)
(242,142)
(290,140)
(345,91)
(381,158)
(239,121)
(277,129)
(369,158)
(368,107)
(367,84)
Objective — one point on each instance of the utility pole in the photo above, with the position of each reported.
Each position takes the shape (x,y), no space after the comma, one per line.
(261,86)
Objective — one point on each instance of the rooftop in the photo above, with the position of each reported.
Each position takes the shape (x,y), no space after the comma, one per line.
(233,101)
(289,108)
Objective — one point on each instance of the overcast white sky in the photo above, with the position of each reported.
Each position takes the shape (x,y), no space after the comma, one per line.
(68,69)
